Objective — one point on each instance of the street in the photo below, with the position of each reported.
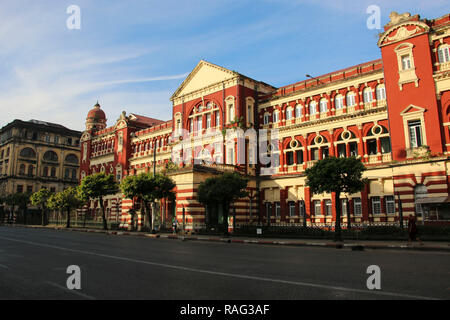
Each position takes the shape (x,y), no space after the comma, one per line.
(33,265)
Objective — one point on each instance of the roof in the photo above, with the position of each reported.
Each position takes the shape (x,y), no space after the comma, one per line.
(144,120)
(42,126)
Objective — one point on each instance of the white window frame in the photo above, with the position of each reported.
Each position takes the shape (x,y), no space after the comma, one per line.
(323,105)
(390,204)
(357,206)
(312,107)
(339,102)
(376,205)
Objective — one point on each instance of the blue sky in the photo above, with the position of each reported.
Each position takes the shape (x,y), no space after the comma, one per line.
(132,55)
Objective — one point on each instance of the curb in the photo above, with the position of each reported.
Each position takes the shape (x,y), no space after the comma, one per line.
(353,246)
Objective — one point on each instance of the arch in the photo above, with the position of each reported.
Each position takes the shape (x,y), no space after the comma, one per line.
(71,158)
(27,153)
(50,156)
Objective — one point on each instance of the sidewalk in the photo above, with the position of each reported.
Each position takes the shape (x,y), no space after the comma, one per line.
(347,244)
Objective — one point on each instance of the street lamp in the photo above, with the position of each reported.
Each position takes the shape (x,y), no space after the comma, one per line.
(318,80)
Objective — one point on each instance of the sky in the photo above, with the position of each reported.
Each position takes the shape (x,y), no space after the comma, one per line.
(132,55)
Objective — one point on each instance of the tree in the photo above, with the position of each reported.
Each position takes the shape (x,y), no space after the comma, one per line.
(23,200)
(222,190)
(98,186)
(40,199)
(164,186)
(141,187)
(147,188)
(68,199)
(338,175)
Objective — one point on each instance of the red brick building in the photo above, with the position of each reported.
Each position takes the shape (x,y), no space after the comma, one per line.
(393,113)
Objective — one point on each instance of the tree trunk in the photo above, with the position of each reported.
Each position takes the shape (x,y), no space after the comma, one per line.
(152,223)
(349,221)
(337,228)
(102,206)
(148,216)
(43,216)
(68,218)
(226,208)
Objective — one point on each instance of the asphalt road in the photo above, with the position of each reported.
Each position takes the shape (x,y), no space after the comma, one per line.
(33,265)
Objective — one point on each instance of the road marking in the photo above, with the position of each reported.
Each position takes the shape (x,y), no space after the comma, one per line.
(225,274)
(70,291)
(3,266)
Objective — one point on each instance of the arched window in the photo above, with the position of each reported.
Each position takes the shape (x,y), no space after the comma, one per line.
(27,153)
(312,107)
(289,114)
(298,111)
(323,105)
(71,158)
(381,92)
(339,102)
(276,117)
(50,156)
(351,101)
(444,53)
(368,96)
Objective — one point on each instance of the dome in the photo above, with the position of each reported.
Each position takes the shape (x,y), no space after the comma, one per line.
(96,113)
(96,118)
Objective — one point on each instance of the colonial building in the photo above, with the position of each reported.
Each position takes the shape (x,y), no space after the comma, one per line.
(392,113)
(36,154)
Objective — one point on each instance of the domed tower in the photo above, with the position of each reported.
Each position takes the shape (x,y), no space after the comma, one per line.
(96,118)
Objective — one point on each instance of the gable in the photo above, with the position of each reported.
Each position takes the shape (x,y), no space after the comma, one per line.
(412,109)
(202,76)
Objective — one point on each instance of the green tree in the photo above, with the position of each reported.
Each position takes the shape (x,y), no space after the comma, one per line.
(164,186)
(222,190)
(338,175)
(98,186)
(141,187)
(68,200)
(23,200)
(40,199)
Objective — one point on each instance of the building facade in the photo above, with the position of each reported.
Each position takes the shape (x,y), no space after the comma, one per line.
(392,113)
(36,154)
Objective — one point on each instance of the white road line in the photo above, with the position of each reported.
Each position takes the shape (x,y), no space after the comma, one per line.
(225,274)
(3,266)
(70,291)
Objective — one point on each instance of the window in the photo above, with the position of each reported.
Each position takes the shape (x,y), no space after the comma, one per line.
(372,147)
(290,158)
(231,112)
(301,208)
(208,121)
(50,156)
(317,208)
(53,172)
(390,204)
(353,149)
(344,207)
(444,54)
(312,107)
(27,153)
(357,207)
(299,156)
(266,118)
(19,188)
(199,123)
(339,102)
(30,170)
(351,99)
(277,209)
(291,209)
(22,169)
(415,133)
(385,145)
(71,158)
(45,172)
(328,211)
(191,125)
(368,96)
(298,111)
(217,119)
(268,209)
(381,93)
(376,205)
(341,150)
(288,114)
(276,117)
(406,62)
(323,105)
(29,189)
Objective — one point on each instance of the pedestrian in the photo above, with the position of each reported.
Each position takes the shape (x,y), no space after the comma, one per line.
(412,230)
(174,225)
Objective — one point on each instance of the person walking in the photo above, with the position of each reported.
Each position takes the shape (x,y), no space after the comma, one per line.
(412,230)
(174,225)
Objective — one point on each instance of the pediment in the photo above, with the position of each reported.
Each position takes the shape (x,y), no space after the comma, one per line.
(412,109)
(402,31)
(203,75)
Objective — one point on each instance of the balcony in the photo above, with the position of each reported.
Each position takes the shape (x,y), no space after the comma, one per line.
(444,66)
